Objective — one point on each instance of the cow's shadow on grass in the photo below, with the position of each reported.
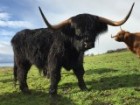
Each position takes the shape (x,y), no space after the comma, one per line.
(115,82)
(111,82)
(100,71)
(38,98)
(35,98)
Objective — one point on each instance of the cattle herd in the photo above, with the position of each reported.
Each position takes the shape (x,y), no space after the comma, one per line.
(63,45)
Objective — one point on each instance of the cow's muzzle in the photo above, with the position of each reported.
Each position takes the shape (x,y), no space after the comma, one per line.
(88,45)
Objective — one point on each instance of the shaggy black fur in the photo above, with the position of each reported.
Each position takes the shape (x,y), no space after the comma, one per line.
(51,50)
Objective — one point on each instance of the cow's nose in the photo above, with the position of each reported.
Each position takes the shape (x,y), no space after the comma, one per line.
(88,45)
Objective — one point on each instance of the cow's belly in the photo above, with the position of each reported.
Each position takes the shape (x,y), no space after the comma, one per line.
(69,63)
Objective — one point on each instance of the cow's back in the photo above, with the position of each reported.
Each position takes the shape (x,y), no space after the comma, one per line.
(33,45)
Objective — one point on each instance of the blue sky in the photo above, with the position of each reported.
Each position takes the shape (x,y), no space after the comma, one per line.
(16,15)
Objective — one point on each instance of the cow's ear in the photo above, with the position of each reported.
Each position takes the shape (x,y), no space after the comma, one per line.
(76,28)
(68,30)
(72,29)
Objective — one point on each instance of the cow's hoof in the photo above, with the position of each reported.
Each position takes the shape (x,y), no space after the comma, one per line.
(53,99)
(84,88)
(26,91)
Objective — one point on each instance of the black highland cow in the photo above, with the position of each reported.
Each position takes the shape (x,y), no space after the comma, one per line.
(58,46)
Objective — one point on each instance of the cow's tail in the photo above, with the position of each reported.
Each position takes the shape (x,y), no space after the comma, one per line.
(15,72)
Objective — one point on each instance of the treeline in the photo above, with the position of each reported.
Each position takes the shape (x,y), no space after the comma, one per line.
(117,50)
(111,51)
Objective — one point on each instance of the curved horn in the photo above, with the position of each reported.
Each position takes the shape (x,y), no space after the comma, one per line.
(116,23)
(54,27)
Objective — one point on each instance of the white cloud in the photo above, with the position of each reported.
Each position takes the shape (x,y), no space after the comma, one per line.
(4,16)
(6,32)
(16,24)
(5,48)
(5,21)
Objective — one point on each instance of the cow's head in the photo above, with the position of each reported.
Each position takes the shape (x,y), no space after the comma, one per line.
(122,36)
(85,27)
(119,36)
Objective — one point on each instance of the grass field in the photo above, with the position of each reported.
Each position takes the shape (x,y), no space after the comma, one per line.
(112,79)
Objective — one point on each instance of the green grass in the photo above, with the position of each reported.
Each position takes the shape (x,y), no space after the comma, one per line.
(113,79)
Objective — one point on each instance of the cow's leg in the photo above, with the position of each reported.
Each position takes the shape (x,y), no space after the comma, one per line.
(46,72)
(79,72)
(55,77)
(22,70)
(138,53)
(15,73)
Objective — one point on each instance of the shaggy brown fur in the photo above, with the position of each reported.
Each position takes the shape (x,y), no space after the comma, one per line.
(132,40)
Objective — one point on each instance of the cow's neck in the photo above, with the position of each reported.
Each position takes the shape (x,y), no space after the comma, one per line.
(130,43)
(128,40)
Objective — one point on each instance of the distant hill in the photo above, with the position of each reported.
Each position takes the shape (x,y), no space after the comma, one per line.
(117,50)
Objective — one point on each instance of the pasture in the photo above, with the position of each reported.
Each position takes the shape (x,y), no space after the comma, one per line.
(112,79)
